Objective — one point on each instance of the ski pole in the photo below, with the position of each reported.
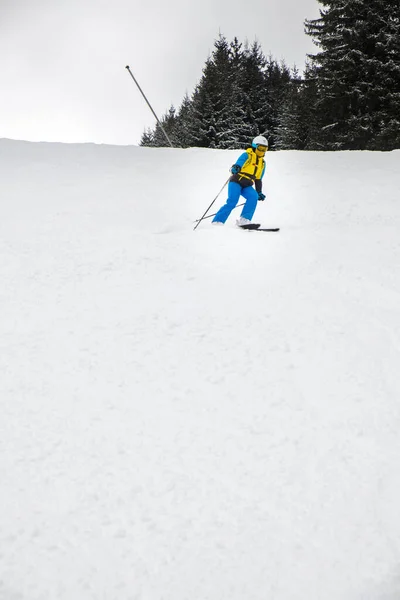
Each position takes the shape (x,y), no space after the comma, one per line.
(204,216)
(149,105)
(213,215)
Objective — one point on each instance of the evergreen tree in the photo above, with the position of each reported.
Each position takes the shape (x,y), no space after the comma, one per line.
(202,126)
(297,114)
(147,138)
(277,80)
(252,84)
(168,122)
(234,126)
(214,100)
(182,133)
(239,96)
(357,74)
(290,133)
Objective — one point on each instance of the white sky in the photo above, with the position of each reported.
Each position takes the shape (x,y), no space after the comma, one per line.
(62,63)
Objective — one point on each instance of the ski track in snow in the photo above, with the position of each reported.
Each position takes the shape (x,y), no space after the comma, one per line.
(198,415)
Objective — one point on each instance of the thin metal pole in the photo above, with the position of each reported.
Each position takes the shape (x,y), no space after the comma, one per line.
(213,215)
(200,220)
(149,105)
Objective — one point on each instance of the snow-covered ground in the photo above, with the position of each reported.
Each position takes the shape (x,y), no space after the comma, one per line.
(208,415)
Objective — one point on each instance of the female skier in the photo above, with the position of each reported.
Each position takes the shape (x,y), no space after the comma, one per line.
(248,170)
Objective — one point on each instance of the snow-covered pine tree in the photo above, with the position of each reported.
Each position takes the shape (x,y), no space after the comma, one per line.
(182,124)
(219,106)
(251,79)
(156,138)
(277,78)
(201,127)
(170,125)
(291,133)
(357,74)
(234,129)
(237,97)
(207,99)
(296,116)
(168,122)
(147,138)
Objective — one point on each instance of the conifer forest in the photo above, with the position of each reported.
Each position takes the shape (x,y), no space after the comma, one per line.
(347,97)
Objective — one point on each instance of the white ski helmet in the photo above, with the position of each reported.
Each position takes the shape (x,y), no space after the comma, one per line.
(259,140)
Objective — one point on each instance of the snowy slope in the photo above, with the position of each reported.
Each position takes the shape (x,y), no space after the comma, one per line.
(208,415)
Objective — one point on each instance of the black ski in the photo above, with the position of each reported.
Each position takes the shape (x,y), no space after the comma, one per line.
(257,227)
(266,229)
(250,226)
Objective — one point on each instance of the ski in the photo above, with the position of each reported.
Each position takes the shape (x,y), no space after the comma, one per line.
(250,226)
(257,227)
(265,229)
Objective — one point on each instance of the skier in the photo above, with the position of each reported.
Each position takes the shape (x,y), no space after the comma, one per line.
(248,169)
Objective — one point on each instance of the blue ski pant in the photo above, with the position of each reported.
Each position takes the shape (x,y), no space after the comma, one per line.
(234,192)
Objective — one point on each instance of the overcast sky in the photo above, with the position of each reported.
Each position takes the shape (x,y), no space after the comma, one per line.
(62,62)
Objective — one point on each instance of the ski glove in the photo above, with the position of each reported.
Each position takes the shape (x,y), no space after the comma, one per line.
(261,196)
(235,169)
